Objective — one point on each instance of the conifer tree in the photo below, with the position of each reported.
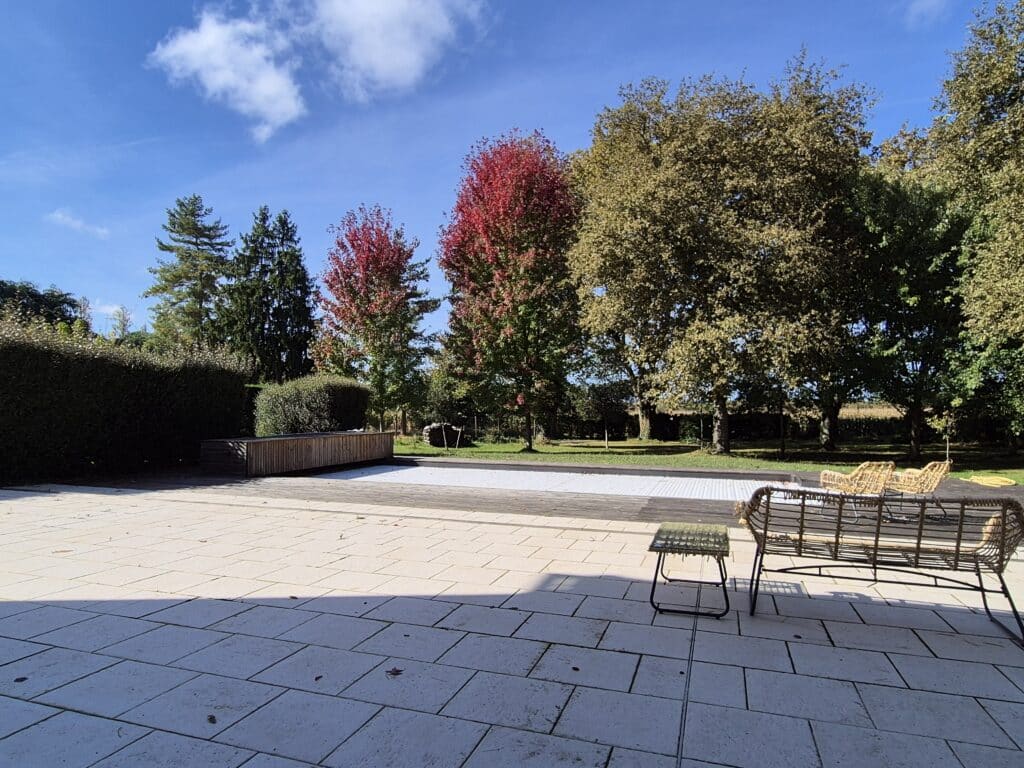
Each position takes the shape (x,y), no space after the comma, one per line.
(188,283)
(266,314)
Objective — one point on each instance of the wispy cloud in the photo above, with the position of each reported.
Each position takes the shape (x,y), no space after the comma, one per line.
(65,218)
(239,62)
(921,13)
(369,47)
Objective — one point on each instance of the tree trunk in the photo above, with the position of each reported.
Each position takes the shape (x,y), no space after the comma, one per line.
(405,422)
(782,427)
(646,415)
(829,432)
(916,430)
(529,425)
(720,426)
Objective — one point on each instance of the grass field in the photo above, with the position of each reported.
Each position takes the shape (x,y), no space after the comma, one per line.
(967,459)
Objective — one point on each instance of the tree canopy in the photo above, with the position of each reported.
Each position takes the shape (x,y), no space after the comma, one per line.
(514,311)
(373,306)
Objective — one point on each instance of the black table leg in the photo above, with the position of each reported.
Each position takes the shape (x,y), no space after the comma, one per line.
(659,570)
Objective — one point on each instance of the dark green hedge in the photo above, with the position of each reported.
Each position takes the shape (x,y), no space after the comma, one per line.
(311,404)
(70,406)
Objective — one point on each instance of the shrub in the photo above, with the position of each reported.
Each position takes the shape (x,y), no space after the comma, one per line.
(72,404)
(311,404)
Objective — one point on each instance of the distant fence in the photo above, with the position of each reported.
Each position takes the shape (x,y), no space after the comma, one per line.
(259,456)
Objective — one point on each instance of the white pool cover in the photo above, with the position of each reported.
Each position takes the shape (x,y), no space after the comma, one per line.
(676,487)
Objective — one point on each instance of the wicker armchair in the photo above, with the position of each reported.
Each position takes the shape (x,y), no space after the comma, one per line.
(924,480)
(870,477)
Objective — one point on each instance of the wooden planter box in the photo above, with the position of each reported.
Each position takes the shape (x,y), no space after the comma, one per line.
(258,456)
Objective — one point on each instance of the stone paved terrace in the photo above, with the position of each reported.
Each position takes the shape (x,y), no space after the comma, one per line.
(224,626)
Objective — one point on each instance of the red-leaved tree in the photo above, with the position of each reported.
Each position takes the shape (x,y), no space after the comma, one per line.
(514,317)
(372,307)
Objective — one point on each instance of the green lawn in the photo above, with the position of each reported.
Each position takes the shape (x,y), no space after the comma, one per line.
(967,459)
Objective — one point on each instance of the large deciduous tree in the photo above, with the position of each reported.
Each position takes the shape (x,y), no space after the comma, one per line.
(718,242)
(373,305)
(188,283)
(813,246)
(657,234)
(978,140)
(267,313)
(514,316)
(917,317)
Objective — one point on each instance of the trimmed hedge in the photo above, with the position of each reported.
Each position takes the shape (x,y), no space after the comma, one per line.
(311,404)
(71,405)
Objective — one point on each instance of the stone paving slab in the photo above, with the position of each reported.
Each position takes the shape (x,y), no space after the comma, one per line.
(222,627)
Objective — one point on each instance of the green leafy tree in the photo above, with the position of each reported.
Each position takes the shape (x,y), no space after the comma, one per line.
(26,301)
(267,313)
(188,283)
(813,244)
(656,225)
(719,239)
(918,318)
(978,146)
(602,401)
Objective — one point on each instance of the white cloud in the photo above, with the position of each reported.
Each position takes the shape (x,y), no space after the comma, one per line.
(388,45)
(65,218)
(370,47)
(239,62)
(920,13)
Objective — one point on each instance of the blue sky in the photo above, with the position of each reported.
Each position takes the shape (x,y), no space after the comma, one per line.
(114,109)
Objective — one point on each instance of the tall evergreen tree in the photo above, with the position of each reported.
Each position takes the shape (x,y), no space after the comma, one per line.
(188,283)
(266,313)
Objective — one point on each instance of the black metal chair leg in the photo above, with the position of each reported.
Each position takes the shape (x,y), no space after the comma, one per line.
(1013,607)
(755,580)
(725,584)
(1018,638)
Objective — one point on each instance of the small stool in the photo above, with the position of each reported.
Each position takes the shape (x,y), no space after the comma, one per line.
(691,539)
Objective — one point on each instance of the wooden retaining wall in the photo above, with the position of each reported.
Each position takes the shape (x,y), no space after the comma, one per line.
(258,456)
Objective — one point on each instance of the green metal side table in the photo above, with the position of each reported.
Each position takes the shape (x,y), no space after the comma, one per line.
(691,539)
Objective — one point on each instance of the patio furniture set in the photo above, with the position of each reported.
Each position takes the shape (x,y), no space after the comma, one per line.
(866,526)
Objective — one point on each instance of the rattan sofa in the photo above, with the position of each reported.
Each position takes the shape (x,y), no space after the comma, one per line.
(858,536)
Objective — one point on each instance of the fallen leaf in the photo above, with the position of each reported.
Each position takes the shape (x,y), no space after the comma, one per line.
(20,679)
(211,719)
(394,672)
(318,678)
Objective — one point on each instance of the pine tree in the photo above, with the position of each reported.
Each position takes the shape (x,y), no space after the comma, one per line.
(188,284)
(266,313)
(291,315)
